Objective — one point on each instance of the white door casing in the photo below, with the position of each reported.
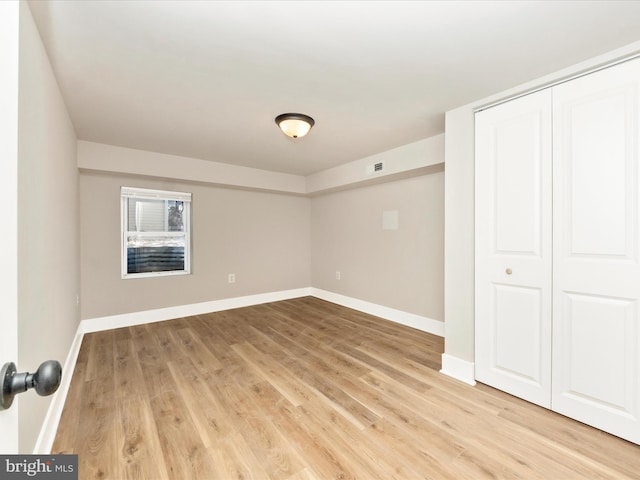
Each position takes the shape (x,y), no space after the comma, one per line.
(9,20)
(596,264)
(513,247)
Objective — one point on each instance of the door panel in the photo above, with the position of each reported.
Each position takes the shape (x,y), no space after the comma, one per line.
(513,247)
(595,365)
(596,274)
(517,324)
(600,205)
(517,185)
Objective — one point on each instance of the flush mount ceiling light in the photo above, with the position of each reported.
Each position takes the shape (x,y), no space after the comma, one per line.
(295,125)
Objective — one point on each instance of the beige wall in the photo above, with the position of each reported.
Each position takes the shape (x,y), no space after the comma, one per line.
(48,251)
(459,286)
(406,161)
(263,238)
(129,161)
(401,269)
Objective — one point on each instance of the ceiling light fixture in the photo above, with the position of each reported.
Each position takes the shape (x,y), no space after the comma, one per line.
(295,125)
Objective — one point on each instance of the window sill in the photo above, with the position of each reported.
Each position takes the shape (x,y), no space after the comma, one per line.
(133,276)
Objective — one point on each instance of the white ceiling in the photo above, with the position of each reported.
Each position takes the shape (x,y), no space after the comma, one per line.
(206,79)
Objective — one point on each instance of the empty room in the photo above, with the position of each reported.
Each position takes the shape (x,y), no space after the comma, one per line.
(320,239)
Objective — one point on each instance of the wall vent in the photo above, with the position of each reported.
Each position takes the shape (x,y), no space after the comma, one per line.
(374,168)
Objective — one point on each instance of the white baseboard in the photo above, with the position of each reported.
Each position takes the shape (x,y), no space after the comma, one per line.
(49,428)
(418,322)
(459,369)
(161,314)
(52,419)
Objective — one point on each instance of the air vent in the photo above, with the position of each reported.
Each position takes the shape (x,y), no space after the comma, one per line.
(374,168)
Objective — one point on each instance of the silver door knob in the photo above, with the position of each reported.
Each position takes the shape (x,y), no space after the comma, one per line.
(45,381)
(509,271)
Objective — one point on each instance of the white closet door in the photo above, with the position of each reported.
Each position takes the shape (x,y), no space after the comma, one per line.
(513,247)
(596,277)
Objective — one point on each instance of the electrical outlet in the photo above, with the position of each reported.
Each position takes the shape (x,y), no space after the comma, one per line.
(338,275)
(232,278)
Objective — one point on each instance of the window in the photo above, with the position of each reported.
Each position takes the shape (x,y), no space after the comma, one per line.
(155,232)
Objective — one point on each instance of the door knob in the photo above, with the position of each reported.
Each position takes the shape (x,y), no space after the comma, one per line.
(508,271)
(45,380)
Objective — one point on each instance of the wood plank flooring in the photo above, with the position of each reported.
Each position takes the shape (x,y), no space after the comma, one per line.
(305,389)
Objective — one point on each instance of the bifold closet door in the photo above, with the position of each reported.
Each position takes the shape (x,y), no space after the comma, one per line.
(596,269)
(513,247)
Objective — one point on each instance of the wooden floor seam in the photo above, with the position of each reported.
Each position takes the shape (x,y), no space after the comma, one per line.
(306,389)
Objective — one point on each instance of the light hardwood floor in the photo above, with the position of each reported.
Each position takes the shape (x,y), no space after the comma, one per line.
(305,389)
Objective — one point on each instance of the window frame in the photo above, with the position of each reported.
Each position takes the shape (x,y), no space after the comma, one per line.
(149,194)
